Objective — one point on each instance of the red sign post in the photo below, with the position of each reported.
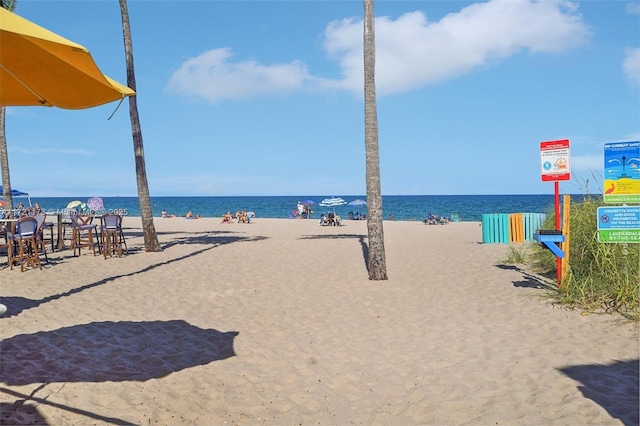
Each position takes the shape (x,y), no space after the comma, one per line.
(556,166)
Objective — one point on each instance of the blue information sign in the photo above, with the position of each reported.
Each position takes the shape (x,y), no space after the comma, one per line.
(619,224)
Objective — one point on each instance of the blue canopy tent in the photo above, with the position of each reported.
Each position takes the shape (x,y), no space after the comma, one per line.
(16,193)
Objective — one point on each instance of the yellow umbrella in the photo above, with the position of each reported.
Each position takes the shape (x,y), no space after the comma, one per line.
(39,67)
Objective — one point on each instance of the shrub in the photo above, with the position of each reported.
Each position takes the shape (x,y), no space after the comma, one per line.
(601,276)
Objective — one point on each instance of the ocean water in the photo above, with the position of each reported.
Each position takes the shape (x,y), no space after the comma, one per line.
(403,207)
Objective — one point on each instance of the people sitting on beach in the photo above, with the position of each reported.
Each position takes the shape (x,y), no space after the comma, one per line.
(351,216)
(357,216)
(322,221)
(243,217)
(331,219)
(337,221)
(165,214)
(434,219)
(391,217)
(238,214)
(226,218)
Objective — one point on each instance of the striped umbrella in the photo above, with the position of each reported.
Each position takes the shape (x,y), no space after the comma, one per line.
(333,202)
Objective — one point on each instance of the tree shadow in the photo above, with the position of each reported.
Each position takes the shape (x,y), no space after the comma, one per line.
(15,304)
(19,412)
(614,387)
(361,239)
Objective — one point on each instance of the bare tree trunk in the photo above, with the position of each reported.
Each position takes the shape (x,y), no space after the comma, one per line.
(151,242)
(377,262)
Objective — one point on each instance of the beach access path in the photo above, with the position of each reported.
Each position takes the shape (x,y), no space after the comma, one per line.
(275,322)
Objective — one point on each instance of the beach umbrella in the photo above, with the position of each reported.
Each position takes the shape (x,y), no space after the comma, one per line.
(76,203)
(39,67)
(358,203)
(95,204)
(16,193)
(333,202)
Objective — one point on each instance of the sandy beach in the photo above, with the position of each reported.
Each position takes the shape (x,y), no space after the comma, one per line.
(275,322)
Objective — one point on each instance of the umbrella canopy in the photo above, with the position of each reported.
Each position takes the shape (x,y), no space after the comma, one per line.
(76,203)
(358,203)
(333,202)
(95,204)
(16,193)
(39,67)
(309,202)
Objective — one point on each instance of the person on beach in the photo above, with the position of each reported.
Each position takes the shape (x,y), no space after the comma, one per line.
(189,215)
(164,214)
(226,218)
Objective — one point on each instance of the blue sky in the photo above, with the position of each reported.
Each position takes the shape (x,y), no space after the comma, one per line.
(265,97)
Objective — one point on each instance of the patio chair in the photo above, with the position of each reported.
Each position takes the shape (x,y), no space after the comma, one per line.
(22,243)
(111,234)
(40,218)
(82,235)
(65,221)
(42,224)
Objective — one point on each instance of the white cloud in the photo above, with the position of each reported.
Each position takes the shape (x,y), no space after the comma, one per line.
(411,52)
(633,8)
(631,65)
(213,76)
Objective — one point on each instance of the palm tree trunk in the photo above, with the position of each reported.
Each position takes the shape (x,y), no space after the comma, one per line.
(4,164)
(4,153)
(151,242)
(377,264)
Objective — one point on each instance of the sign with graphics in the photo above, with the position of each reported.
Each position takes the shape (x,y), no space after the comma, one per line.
(619,224)
(554,160)
(622,172)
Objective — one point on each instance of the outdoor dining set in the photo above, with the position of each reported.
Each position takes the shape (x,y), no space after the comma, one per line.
(24,237)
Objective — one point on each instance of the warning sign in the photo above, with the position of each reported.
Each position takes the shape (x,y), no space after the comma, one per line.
(554,160)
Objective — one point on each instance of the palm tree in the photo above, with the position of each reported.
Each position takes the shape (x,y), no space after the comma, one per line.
(4,153)
(377,263)
(151,242)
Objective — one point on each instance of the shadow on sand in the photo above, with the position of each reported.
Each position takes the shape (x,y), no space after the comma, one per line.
(100,352)
(614,387)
